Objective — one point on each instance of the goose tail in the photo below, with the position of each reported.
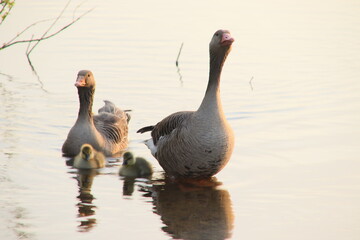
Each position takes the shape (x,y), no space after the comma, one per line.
(145,129)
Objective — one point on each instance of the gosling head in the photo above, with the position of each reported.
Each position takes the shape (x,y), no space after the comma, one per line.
(87,152)
(128,159)
(85,78)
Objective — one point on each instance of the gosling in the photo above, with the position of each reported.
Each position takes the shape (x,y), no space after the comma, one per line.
(135,167)
(89,158)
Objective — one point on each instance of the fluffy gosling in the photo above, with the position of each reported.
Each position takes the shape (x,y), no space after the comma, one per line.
(135,167)
(89,158)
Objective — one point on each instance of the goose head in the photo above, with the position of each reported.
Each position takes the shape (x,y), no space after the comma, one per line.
(87,152)
(128,159)
(85,78)
(221,42)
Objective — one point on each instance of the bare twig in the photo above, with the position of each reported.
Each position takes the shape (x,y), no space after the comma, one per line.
(177,59)
(3,7)
(177,64)
(250,82)
(28,47)
(33,68)
(6,45)
(44,36)
(28,57)
(46,32)
(76,8)
(25,29)
(180,76)
(5,4)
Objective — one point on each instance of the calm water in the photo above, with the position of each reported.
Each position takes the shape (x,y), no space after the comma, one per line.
(290,89)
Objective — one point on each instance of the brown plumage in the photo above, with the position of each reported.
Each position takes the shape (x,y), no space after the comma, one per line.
(106,132)
(197,144)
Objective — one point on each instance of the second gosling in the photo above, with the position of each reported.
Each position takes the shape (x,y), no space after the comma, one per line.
(89,158)
(135,167)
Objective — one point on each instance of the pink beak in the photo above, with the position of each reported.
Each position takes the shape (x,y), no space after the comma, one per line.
(227,39)
(80,81)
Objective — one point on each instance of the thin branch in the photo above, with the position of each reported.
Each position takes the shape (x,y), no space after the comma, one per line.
(7,4)
(180,76)
(250,82)
(177,59)
(177,64)
(33,68)
(76,8)
(27,28)
(3,7)
(47,37)
(44,36)
(29,50)
(51,26)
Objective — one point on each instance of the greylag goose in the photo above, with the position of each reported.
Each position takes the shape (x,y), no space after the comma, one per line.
(197,144)
(135,167)
(89,158)
(106,132)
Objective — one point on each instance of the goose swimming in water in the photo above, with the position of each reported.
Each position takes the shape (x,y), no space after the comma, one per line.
(106,132)
(135,167)
(88,158)
(197,144)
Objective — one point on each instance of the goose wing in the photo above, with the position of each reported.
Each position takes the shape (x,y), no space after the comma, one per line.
(110,107)
(112,122)
(168,124)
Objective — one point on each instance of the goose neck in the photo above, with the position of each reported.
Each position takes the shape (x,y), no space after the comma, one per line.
(86,96)
(212,95)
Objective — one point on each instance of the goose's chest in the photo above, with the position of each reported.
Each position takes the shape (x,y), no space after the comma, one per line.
(82,130)
(86,133)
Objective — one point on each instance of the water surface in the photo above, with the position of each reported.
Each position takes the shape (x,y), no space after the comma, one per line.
(290,90)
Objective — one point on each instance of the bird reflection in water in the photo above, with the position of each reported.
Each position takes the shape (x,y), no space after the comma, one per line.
(134,169)
(85,206)
(128,187)
(129,184)
(194,210)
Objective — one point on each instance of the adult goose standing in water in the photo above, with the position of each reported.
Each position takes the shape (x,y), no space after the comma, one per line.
(197,144)
(106,132)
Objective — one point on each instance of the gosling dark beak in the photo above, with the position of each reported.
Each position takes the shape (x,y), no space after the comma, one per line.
(124,162)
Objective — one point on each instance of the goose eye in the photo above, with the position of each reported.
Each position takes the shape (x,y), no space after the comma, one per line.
(88,75)
(216,34)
